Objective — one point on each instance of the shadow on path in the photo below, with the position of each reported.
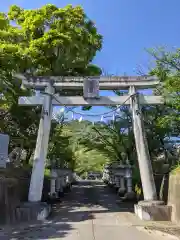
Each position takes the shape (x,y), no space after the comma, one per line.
(82,205)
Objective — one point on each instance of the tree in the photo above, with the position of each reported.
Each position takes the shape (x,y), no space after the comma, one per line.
(20,123)
(45,41)
(89,161)
(65,148)
(50,41)
(60,148)
(167,69)
(111,139)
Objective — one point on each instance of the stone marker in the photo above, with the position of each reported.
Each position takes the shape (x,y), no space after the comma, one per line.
(4,144)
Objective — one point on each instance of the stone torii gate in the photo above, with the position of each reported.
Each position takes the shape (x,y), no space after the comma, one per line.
(91,86)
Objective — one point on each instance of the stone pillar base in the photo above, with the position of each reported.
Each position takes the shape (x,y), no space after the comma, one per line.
(130,196)
(32,211)
(116,188)
(153,211)
(121,192)
(66,189)
(53,195)
(60,194)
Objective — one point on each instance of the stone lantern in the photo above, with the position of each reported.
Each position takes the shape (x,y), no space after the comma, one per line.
(121,173)
(54,177)
(130,194)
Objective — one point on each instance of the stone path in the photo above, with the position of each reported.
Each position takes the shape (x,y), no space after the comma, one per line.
(90,212)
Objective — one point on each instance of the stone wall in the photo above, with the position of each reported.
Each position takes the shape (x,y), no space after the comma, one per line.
(9,199)
(22,177)
(174,197)
(162,185)
(14,187)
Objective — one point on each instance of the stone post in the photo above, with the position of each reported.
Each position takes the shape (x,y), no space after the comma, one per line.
(122,182)
(130,194)
(129,185)
(53,192)
(129,179)
(117,182)
(61,183)
(122,188)
(58,185)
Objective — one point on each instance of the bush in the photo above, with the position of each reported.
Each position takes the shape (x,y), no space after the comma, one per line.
(176,169)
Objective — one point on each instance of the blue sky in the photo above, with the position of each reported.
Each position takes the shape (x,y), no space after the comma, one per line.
(128,27)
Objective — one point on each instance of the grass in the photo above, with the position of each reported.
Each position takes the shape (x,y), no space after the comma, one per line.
(176,169)
(47,172)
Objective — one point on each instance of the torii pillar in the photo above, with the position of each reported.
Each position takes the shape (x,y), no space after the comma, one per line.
(37,177)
